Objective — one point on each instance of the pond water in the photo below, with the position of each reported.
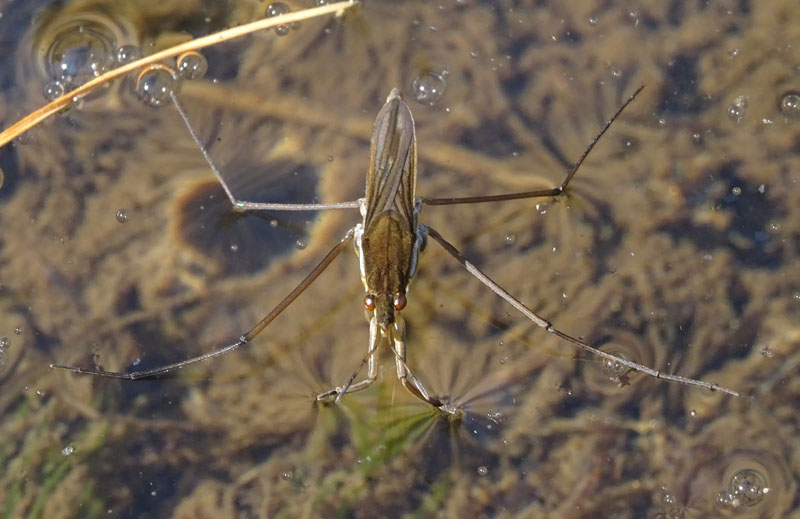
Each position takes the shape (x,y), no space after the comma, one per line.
(676,247)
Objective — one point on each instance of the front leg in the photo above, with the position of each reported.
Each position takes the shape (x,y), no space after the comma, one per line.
(372,371)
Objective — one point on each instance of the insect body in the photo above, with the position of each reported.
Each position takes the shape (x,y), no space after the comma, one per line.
(388,240)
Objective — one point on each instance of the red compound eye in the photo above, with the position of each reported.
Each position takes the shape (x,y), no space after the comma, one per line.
(400,301)
(369,302)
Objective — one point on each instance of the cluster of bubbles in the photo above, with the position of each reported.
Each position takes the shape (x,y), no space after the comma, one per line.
(85,50)
(279,8)
(670,507)
(789,105)
(746,488)
(80,52)
(156,84)
(736,109)
(73,67)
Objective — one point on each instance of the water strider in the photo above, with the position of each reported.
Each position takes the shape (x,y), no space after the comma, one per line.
(388,242)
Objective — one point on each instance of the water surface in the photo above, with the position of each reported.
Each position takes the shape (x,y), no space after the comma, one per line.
(675,247)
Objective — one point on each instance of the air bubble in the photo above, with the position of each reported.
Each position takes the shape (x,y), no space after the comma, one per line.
(671,507)
(790,105)
(286,476)
(510,239)
(482,470)
(155,86)
(80,53)
(192,65)
(53,90)
(724,500)
(128,54)
(300,244)
(614,369)
(66,451)
(4,343)
(736,190)
(234,247)
(747,488)
(277,9)
(18,330)
(736,109)
(122,216)
(428,88)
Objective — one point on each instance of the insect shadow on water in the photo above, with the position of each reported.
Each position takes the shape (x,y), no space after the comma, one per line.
(388,242)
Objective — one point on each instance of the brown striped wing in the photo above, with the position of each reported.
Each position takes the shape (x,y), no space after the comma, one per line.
(392,176)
